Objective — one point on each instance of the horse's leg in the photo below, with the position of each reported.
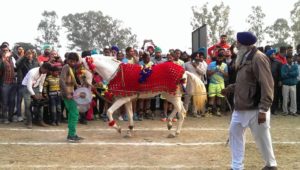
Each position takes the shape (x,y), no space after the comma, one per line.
(117,104)
(128,107)
(178,108)
(170,118)
(181,112)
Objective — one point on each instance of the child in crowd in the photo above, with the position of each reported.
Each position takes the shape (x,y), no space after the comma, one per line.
(51,91)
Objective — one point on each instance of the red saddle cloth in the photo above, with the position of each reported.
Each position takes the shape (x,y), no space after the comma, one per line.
(164,77)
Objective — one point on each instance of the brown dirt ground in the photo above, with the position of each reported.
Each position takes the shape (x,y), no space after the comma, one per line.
(61,155)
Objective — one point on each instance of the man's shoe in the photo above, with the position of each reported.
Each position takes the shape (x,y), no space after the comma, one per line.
(285,114)
(71,139)
(20,119)
(42,123)
(269,168)
(28,125)
(78,138)
(6,121)
(294,114)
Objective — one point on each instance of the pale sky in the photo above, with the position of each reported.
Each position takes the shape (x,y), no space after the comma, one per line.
(167,22)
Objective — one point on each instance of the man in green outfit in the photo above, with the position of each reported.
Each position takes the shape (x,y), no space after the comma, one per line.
(68,82)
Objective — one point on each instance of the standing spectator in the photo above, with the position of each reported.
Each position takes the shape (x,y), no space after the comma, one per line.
(107,51)
(156,102)
(51,91)
(23,65)
(281,56)
(298,49)
(67,83)
(114,50)
(298,83)
(55,60)
(8,87)
(120,56)
(217,71)
(33,84)
(222,44)
(157,56)
(176,57)
(275,69)
(45,57)
(144,104)
(130,56)
(253,94)
(198,67)
(185,57)
(289,74)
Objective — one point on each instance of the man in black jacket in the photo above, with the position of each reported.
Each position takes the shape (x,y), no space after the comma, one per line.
(275,68)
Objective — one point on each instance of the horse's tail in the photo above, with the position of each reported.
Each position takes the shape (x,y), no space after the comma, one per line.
(196,88)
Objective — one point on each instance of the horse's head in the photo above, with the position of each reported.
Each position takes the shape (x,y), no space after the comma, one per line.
(103,65)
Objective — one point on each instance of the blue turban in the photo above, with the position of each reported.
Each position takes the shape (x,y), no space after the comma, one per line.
(246,38)
(270,52)
(203,50)
(94,51)
(114,47)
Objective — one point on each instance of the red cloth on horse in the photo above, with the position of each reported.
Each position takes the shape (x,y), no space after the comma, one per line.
(164,77)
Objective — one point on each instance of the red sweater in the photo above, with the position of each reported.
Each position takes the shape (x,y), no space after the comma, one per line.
(281,59)
(211,49)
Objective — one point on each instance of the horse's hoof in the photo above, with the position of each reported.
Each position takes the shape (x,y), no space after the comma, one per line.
(128,135)
(169,127)
(119,130)
(171,135)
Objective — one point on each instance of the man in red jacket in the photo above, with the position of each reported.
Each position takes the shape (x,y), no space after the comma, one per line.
(212,51)
(281,56)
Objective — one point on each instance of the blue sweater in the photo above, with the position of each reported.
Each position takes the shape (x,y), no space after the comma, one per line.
(289,74)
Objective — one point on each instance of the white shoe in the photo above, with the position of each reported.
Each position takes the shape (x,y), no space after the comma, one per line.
(121,118)
(20,119)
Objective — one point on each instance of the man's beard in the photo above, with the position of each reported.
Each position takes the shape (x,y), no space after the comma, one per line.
(240,55)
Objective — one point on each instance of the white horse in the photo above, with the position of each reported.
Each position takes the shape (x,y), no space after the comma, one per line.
(107,68)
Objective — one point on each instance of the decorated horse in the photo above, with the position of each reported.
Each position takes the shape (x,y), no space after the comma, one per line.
(127,82)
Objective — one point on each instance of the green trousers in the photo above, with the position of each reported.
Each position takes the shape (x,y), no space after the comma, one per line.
(72,116)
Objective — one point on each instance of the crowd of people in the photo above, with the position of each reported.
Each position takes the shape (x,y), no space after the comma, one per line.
(215,66)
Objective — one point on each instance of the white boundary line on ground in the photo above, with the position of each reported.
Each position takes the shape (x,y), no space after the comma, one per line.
(136,143)
(135,129)
(112,166)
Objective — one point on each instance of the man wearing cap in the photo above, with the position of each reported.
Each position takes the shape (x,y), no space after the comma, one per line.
(157,59)
(253,96)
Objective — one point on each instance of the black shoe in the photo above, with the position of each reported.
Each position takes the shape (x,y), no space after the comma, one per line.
(269,168)
(72,139)
(78,138)
(84,122)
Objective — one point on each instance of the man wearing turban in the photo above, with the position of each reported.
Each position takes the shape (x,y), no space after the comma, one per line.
(253,96)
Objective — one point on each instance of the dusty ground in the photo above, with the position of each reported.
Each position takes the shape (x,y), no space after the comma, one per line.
(201,145)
